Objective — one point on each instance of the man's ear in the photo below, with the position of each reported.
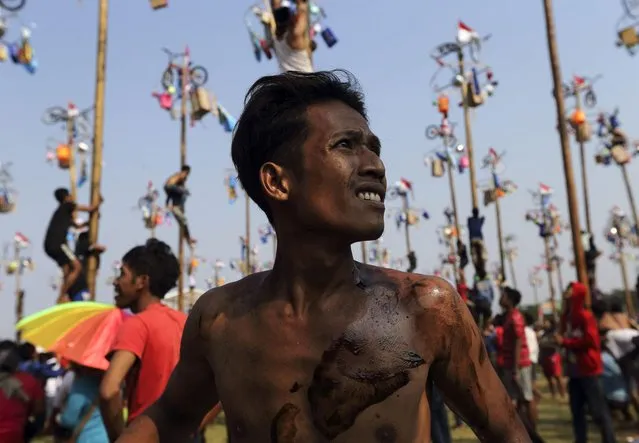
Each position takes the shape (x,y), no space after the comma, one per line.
(141,281)
(275,181)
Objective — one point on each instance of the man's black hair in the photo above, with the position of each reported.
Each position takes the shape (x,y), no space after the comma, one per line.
(513,295)
(615,305)
(9,356)
(282,14)
(186,168)
(600,306)
(528,317)
(273,126)
(26,351)
(60,194)
(156,260)
(498,320)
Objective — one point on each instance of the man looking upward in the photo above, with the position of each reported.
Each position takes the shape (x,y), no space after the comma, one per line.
(322,348)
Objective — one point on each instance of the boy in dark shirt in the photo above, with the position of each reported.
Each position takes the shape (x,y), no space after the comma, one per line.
(55,240)
(79,289)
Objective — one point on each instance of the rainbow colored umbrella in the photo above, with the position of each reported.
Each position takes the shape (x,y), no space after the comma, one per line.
(44,328)
(89,342)
(79,331)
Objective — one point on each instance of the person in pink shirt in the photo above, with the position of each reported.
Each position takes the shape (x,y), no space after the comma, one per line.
(147,347)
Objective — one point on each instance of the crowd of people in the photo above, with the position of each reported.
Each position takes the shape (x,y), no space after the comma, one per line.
(596,350)
(40,395)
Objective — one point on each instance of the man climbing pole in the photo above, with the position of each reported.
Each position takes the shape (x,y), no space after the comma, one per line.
(55,240)
(79,289)
(291,41)
(176,194)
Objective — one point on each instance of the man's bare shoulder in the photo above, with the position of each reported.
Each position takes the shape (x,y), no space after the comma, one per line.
(228,300)
(425,291)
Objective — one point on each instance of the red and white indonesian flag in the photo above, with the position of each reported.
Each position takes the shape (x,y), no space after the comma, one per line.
(21,240)
(465,34)
(544,189)
(405,185)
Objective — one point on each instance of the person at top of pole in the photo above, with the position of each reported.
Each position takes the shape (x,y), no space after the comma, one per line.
(292,41)
(321,347)
(176,193)
(55,240)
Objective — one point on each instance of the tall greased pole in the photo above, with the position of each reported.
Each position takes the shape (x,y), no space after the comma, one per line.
(73,175)
(584,172)
(185,81)
(465,87)
(98,141)
(500,240)
(459,273)
(19,291)
(580,259)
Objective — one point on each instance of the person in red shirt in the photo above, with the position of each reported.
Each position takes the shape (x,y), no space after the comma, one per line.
(147,347)
(21,395)
(584,366)
(517,372)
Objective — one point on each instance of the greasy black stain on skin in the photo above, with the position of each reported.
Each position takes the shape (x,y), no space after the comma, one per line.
(354,374)
(386,434)
(417,288)
(283,429)
(296,387)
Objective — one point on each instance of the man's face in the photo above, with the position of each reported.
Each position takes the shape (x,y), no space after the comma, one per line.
(504,303)
(342,182)
(567,295)
(127,287)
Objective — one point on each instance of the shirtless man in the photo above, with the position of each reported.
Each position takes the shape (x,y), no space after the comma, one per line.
(322,348)
(291,42)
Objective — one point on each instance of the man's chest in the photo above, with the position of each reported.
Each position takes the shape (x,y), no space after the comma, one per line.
(318,382)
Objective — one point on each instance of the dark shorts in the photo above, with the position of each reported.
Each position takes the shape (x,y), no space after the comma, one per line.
(175,194)
(62,255)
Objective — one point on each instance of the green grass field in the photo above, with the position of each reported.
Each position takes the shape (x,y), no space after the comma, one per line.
(554,426)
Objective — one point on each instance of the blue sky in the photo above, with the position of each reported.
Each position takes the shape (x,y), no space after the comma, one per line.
(385,47)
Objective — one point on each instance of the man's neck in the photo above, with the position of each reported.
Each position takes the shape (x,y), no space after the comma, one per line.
(144,302)
(307,271)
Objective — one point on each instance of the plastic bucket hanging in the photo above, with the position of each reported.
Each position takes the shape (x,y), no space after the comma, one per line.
(63,155)
(577,118)
(159,4)
(443,104)
(7,204)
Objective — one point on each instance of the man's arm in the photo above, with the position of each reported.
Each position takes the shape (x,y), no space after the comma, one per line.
(461,368)
(89,208)
(518,326)
(110,392)
(189,395)
(587,340)
(298,35)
